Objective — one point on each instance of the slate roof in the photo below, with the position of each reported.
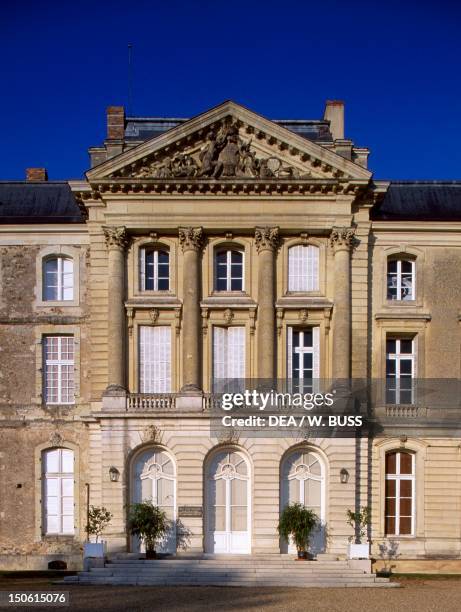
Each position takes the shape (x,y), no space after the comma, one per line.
(142,128)
(420,201)
(33,202)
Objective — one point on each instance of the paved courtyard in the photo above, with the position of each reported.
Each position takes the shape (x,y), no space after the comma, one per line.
(421,594)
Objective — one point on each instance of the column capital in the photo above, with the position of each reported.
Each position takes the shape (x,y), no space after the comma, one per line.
(267,238)
(191,238)
(116,237)
(342,238)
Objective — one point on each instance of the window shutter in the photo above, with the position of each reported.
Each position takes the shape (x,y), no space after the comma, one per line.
(142,269)
(295,268)
(312,266)
(289,352)
(155,359)
(219,353)
(236,352)
(316,355)
(303,268)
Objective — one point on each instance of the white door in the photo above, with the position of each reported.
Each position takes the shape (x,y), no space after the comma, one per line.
(154,480)
(303,481)
(228,504)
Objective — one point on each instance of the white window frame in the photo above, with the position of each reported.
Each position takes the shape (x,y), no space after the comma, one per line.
(398,477)
(60,363)
(142,268)
(398,275)
(61,275)
(301,350)
(154,360)
(229,269)
(397,357)
(303,268)
(229,352)
(58,477)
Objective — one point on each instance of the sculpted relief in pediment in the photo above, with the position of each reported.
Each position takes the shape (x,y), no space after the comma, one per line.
(222,154)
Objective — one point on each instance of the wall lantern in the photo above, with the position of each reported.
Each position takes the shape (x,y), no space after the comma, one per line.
(344,476)
(114,474)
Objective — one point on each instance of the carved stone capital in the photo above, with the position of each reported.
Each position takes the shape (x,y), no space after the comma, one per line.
(267,238)
(342,238)
(116,237)
(191,238)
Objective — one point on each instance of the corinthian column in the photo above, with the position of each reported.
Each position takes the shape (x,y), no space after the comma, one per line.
(191,240)
(267,241)
(341,240)
(116,241)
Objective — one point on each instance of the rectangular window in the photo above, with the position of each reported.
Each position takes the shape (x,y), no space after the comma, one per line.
(400,280)
(303,358)
(400,370)
(154,269)
(228,354)
(59,370)
(400,494)
(58,491)
(155,359)
(303,268)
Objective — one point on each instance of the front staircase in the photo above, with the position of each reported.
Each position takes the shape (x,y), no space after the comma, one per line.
(255,571)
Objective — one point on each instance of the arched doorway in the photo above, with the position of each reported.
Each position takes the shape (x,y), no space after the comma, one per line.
(154,479)
(303,481)
(228,503)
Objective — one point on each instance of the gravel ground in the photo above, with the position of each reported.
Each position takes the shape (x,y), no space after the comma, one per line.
(416,595)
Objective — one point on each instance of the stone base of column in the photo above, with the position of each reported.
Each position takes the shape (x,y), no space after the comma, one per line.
(114,399)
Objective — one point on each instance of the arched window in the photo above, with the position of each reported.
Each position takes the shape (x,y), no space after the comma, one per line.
(58,279)
(229,270)
(58,491)
(303,268)
(154,269)
(400,279)
(400,493)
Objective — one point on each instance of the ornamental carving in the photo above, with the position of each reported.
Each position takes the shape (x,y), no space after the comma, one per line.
(267,238)
(342,237)
(116,237)
(228,316)
(303,315)
(223,155)
(191,238)
(154,314)
(56,439)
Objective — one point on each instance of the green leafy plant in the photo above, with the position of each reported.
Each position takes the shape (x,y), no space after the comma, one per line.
(298,522)
(98,519)
(149,523)
(359,521)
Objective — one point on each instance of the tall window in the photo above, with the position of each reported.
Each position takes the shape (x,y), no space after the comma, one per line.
(400,493)
(228,355)
(400,279)
(58,279)
(59,369)
(303,268)
(229,270)
(155,270)
(400,370)
(58,491)
(155,359)
(303,357)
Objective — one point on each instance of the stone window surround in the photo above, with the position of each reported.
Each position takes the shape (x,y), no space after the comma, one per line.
(215,319)
(411,328)
(216,244)
(413,253)
(418,448)
(55,330)
(234,248)
(134,262)
(38,454)
(58,251)
(310,241)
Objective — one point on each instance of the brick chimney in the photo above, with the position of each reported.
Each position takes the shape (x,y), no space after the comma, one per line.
(115,122)
(334,113)
(36,174)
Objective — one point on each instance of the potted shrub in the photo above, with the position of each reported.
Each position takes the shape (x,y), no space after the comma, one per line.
(149,523)
(359,521)
(298,522)
(98,520)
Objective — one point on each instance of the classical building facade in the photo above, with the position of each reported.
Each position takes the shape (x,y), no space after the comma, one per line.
(226,246)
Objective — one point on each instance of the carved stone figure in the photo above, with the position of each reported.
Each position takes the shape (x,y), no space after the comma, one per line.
(229,157)
(207,156)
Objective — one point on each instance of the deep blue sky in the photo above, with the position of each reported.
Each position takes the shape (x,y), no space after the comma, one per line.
(395,64)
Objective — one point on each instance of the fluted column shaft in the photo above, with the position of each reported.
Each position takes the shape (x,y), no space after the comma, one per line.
(116,241)
(267,241)
(191,240)
(341,242)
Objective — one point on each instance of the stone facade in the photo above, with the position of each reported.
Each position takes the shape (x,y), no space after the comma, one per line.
(144,194)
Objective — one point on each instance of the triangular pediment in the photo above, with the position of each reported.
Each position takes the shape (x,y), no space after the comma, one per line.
(228,142)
